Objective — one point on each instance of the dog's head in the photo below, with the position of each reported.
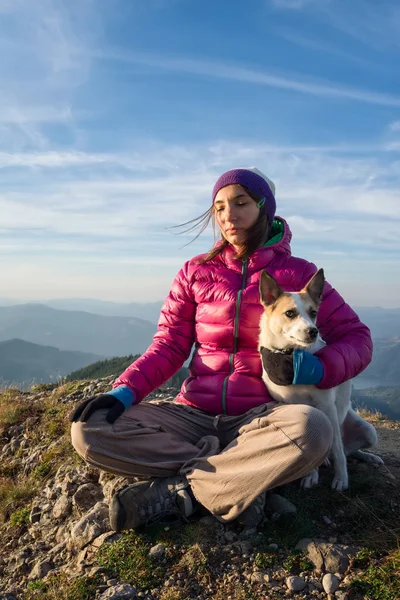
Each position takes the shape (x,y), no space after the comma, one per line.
(289,318)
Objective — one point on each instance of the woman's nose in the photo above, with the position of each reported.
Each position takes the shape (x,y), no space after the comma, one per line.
(230,214)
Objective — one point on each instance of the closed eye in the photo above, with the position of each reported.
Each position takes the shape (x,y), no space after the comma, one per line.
(291,314)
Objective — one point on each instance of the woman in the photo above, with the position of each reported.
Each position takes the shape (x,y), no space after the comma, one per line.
(223,443)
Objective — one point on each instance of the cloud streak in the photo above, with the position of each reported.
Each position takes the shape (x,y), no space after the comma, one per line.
(225,71)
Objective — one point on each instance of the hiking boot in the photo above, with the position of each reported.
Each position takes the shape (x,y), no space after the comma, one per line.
(253,514)
(150,501)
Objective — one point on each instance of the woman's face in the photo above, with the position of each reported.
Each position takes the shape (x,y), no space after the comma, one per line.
(235,212)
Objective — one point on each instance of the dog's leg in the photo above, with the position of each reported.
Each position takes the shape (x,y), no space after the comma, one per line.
(357,435)
(341,480)
(310,480)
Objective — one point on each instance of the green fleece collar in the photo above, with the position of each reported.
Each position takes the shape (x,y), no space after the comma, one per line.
(276,234)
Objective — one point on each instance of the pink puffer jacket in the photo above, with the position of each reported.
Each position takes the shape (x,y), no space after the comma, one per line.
(216,307)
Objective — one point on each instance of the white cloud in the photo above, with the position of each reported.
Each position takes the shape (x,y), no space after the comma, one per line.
(395,126)
(297,4)
(228,71)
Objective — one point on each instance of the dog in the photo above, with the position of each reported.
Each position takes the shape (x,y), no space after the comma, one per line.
(288,323)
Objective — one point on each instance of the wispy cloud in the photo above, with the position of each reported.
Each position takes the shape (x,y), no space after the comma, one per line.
(293,37)
(297,4)
(227,71)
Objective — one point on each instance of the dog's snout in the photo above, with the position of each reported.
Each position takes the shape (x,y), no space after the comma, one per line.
(312,333)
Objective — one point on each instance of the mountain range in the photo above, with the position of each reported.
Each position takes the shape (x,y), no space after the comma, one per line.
(76,330)
(125,333)
(383,322)
(23,363)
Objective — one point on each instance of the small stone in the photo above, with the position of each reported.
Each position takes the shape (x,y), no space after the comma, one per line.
(341,595)
(208,521)
(157,551)
(123,591)
(278,504)
(273,546)
(230,536)
(295,584)
(330,583)
(86,496)
(257,577)
(62,507)
(40,569)
(326,520)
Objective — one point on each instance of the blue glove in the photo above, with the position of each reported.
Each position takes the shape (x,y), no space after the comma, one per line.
(116,400)
(308,369)
(297,368)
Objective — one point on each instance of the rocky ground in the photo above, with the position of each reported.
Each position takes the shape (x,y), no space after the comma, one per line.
(56,542)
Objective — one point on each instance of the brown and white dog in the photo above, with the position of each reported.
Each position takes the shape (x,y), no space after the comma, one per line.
(288,323)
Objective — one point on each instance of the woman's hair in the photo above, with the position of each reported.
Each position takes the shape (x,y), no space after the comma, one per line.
(257,234)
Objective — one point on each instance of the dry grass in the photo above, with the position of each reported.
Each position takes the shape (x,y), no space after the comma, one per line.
(371,415)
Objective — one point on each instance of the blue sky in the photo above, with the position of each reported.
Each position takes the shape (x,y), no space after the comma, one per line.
(117,116)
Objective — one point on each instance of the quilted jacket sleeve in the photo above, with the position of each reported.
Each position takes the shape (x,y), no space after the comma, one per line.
(171,344)
(349,345)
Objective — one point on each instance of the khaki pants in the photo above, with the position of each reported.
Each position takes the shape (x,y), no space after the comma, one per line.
(228,460)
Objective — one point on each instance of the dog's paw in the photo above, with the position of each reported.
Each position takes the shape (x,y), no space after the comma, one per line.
(367,457)
(310,480)
(372,459)
(340,483)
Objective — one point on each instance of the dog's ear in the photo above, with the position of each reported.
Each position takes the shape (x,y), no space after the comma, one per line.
(269,289)
(315,286)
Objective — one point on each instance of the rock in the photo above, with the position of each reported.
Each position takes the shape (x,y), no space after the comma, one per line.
(278,504)
(273,547)
(40,569)
(295,584)
(109,537)
(258,577)
(340,595)
(209,521)
(330,583)
(35,514)
(334,558)
(230,536)
(62,508)
(90,526)
(124,591)
(86,496)
(157,551)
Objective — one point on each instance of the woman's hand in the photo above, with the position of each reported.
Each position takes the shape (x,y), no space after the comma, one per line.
(117,400)
(297,368)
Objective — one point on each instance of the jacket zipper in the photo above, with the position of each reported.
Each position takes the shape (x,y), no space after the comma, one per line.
(235,335)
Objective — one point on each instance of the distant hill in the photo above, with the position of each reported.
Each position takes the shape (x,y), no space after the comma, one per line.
(24,363)
(383,322)
(385,366)
(117,365)
(149,311)
(76,330)
(384,399)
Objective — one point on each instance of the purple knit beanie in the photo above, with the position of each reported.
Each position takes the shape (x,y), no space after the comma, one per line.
(253,180)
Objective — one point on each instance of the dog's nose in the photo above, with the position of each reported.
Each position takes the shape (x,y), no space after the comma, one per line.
(313,332)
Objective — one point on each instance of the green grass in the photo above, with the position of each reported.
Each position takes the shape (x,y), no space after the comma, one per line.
(128,560)
(20,517)
(60,588)
(380,581)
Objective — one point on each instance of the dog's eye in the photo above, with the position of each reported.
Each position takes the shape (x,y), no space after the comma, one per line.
(291,314)
(312,313)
